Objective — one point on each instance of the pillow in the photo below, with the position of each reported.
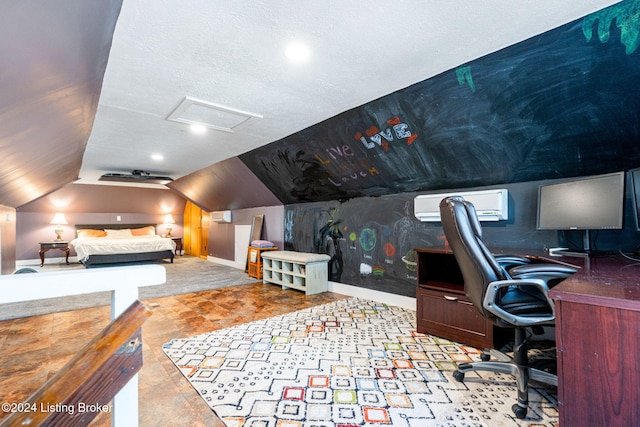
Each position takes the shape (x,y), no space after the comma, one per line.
(144,231)
(262,244)
(89,232)
(125,232)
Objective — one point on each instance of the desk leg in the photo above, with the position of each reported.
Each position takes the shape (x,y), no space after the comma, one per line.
(67,252)
(42,257)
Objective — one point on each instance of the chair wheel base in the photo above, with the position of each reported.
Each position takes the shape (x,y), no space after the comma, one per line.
(458,376)
(485,357)
(519,411)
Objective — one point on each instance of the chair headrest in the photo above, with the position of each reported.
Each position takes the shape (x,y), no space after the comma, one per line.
(467,219)
(472,216)
(473,219)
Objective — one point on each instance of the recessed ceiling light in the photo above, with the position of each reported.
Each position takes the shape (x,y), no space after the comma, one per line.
(297,52)
(157,157)
(198,128)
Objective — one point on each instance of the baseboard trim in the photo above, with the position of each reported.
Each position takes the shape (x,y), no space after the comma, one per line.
(344,289)
(228,263)
(378,296)
(51,260)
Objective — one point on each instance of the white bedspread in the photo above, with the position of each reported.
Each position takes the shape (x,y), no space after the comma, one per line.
(86,246)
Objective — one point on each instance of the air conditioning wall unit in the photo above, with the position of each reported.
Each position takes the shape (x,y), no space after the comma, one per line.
(221,216)
(491,205)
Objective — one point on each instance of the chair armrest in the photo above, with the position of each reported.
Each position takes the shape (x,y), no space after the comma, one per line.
(542,271)
(494,289)
(509,261)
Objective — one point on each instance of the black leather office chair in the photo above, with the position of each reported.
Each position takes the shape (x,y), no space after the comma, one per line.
(514,298)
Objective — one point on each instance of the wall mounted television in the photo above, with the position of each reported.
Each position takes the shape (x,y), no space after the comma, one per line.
(584,203)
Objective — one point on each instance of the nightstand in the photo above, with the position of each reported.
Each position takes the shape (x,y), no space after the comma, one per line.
(179,245)
(55,244)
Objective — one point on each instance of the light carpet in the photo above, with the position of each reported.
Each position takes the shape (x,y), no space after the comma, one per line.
(348,363)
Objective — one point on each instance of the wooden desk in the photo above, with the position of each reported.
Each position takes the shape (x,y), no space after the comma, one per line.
(442,308)
(598,342)
(597,330)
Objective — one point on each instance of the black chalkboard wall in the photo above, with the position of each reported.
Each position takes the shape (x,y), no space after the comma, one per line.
(379,234)
(562,104)
(557,105)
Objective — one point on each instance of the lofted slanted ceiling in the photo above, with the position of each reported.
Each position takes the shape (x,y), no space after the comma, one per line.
(228,184)
(228,55)
(53,55)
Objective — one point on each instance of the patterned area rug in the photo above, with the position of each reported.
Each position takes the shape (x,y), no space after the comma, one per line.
(348,363)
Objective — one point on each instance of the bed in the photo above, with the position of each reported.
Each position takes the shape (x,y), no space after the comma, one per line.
(99,244)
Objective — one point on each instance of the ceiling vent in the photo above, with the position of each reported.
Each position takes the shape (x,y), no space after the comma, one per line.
(196,112)
(137,176)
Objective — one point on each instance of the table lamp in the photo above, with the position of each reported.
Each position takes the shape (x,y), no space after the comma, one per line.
(168,221)
(58,220)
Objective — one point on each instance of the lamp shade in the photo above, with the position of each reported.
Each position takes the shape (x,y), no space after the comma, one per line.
(168,219)
(58,219)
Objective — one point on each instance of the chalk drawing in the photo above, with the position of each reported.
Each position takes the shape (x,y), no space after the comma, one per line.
(352,176)
(410,260)
(378,270)
(365,269)
(367,239)
(405,229)
(464,76)
(288,226)
(626,15)
(389,250)
(335,153)
(382,138)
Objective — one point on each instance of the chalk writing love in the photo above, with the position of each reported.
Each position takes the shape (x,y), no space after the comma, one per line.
(382,138)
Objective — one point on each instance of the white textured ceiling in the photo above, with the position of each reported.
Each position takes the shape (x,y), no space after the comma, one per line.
(230,53)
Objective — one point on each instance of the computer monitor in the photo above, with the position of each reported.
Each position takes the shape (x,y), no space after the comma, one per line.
(635,185)
(585,203)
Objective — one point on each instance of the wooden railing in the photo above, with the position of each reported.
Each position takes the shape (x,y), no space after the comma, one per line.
(85,386)
(127,315)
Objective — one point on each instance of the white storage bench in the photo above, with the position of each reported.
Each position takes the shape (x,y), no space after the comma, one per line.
(297,270)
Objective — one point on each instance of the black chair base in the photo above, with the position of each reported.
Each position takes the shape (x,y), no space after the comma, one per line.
(516,366)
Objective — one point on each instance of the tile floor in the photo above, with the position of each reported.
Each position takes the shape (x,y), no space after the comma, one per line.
(32,349)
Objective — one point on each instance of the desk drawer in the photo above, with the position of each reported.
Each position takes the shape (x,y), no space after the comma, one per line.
(452,316)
